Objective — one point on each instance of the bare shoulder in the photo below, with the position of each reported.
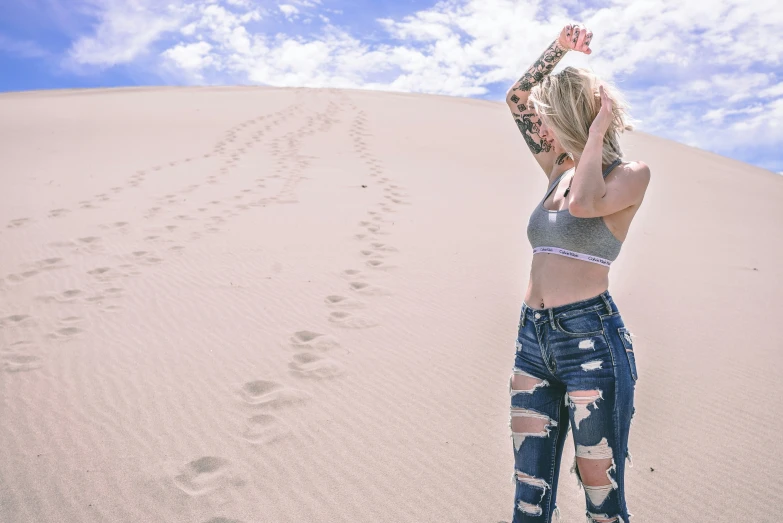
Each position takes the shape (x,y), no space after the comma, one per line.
(637,179)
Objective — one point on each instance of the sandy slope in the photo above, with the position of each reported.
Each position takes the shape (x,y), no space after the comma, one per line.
(279,305)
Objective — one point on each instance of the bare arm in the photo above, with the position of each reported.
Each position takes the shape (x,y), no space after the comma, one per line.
(516,96)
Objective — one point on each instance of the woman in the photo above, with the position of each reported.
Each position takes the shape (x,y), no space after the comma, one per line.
(574,365)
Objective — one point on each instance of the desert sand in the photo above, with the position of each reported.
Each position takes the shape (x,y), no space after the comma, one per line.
(257,304)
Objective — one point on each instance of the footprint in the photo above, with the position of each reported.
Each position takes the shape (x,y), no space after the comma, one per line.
(56,213)
(89,239)
(379,264)
(223,520)
(263,429)
(65,333)
(18,222)
(16,319)
(313,340)
(272,395)
(17,278)
(18,359)
(343,302)
(350,321)
(383,247)
(62,244)
(370,290)
(50,264)
(206,474)
(308,365)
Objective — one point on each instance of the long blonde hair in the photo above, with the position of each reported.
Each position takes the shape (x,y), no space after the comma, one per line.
(569,101)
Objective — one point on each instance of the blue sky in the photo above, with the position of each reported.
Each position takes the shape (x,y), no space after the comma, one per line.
(707,73)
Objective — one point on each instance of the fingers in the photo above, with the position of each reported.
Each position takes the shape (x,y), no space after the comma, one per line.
(578,37)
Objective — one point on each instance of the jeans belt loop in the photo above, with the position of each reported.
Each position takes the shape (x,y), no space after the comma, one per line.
(608,305)
(524,315)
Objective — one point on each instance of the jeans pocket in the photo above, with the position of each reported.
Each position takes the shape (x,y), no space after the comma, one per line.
(627,340)
(587,324)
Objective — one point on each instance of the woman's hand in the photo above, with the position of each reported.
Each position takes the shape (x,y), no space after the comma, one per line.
(604,117)
(576,37)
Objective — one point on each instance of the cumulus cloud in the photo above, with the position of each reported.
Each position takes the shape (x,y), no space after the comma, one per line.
(124,30)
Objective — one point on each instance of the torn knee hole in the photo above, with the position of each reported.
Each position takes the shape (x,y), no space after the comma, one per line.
(526,423)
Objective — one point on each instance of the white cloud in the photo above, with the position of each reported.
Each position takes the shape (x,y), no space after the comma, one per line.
(288,10)
(191,57)
(124,31)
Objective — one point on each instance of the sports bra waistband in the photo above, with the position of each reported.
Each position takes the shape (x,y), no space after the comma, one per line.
(572,254)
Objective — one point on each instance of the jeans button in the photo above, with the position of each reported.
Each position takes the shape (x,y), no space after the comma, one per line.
(538,315)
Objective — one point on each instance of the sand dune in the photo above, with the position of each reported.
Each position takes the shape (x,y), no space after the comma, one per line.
(273,305)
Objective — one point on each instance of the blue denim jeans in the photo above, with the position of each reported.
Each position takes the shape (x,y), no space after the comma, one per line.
(574,368)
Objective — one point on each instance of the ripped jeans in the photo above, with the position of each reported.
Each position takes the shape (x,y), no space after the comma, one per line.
(574,368)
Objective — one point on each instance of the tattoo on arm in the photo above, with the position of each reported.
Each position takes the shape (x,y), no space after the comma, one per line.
(529,125)
(526,120)
(540,68)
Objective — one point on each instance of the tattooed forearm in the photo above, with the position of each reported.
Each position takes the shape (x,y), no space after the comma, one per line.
(516,97)
(540,68)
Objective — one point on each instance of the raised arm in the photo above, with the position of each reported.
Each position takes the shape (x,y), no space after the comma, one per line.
(516,96)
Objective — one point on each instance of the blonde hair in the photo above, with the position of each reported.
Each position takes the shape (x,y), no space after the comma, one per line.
(569,101)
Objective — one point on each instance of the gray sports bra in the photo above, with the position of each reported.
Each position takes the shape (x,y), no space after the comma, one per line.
(559,232)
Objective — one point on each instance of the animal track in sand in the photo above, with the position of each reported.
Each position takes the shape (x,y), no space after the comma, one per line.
(313,340)
(206,474)
(351,321)
(309,365)
(272,395)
